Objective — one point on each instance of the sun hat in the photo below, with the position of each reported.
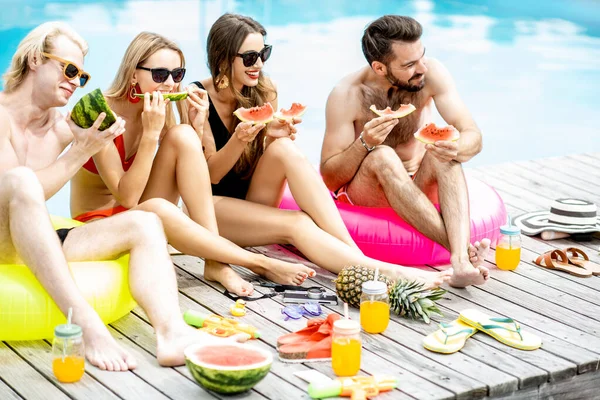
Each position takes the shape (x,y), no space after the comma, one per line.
(565,215)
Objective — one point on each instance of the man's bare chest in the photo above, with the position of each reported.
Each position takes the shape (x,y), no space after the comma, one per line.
(36,150)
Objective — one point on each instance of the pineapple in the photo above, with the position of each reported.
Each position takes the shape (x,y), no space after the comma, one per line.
(407,298)
(349,282)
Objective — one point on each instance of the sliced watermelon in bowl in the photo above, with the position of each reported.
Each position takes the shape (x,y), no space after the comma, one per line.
(228,368)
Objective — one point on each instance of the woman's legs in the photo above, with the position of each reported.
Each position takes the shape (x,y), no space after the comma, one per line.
(180,168)
(250,224)
(283,161)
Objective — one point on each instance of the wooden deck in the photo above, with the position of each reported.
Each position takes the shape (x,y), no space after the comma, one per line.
(562,309)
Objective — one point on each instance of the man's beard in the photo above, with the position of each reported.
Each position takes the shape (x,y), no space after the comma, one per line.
(407,86)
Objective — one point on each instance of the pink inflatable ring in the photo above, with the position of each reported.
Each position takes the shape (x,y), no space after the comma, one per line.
(381,234)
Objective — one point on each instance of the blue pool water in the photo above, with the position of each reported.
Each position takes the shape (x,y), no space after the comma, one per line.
(529,71)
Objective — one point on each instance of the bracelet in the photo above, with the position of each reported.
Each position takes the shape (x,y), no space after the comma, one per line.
(369,149)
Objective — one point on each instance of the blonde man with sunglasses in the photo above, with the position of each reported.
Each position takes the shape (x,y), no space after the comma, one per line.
(45,71)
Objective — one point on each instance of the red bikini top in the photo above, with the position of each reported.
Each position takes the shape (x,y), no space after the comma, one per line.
(91,166)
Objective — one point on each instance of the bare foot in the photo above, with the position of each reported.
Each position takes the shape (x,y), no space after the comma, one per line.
(286,273)
(478,251)
(171,344)
(429,279)
(226,276)
(466,274)
(102,350)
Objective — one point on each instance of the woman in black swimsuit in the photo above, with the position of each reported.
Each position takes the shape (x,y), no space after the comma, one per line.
(253,163)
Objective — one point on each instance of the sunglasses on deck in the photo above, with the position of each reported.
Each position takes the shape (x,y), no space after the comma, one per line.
(70,70)
(160,75)
(250,57)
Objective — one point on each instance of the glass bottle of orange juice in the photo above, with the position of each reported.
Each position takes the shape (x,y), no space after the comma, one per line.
(68,353)
(346,347)
(374,307)
(508,249)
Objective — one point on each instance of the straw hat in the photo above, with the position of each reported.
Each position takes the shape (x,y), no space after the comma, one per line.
(565,215)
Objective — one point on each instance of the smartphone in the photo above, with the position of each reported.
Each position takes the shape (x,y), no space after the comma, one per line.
(302,296)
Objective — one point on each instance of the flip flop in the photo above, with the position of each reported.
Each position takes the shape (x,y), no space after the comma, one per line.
(450,338)
(558,260)
(583,261)
(316,330)
(504,330)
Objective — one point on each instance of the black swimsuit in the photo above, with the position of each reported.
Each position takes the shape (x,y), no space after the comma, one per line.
(232,184)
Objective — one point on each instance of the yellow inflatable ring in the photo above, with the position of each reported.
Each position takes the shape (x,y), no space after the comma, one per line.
(28,313)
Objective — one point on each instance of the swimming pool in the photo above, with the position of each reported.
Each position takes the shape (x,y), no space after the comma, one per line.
(529,73)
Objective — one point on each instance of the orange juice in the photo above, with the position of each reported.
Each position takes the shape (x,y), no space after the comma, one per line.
(374,316)
(507,258)
(345,356)
(68,369)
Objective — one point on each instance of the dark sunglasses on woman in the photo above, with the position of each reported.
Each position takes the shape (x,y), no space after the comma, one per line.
(250,57)
(160,75)
(70,70)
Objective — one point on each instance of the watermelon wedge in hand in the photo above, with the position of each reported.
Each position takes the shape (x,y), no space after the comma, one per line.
(430,133)
(402,111)
(295,111)
(256,115)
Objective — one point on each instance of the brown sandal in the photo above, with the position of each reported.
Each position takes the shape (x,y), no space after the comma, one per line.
(558,260)
(581,262)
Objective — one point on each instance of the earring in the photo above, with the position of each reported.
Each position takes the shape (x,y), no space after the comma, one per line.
(223,82)
(135,89)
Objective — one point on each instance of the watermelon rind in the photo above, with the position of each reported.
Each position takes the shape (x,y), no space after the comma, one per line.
(87,109)
(256,115)
(171,96)
(285,114)
(396,114)
(227,380)
(418,135)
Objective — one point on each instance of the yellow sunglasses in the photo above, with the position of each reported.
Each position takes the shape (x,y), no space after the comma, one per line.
(70,70)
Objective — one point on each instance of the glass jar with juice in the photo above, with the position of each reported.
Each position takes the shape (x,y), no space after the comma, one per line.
(508,249)
(374,307)
(68,353)
(346,347)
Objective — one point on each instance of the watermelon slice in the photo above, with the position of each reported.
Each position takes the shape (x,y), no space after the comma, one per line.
(429,133)
(256,115)
(171,96)
(228,368)
(402,111)
(87,109)
(295,111)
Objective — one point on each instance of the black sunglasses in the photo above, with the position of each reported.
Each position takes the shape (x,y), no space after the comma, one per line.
(159,75)
(70,70)
(250,57)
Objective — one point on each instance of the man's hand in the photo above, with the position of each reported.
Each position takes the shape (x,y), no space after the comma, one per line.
(280,128)
(154,114)
(198,107)
(246,132)
(91,140)
(443,150)
(377,129)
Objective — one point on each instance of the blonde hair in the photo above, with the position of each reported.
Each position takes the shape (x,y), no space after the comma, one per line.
(40,39)
(142,47)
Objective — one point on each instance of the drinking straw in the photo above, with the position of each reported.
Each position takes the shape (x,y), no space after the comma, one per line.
(346,316)
(69,316)
(375,279)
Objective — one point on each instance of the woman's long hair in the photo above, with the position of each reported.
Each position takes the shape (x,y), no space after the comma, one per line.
(140,49)
(224,41)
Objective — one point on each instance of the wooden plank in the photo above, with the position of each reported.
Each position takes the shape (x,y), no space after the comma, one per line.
(267,313)
(39,355)
(24,379)
(583,358)
(585,386)
(542,276)
(6,392)
(497,380)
